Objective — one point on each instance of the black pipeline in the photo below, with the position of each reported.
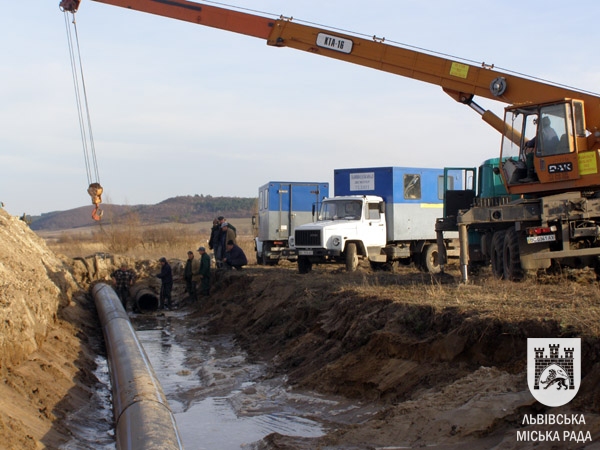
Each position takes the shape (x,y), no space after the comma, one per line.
(143,418)
(145,298)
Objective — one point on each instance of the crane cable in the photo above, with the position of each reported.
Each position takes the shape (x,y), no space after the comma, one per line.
(85,124)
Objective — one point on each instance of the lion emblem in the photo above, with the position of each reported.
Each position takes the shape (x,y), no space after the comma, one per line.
(560,379)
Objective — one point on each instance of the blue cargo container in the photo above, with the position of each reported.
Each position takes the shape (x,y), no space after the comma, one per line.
(282,206)
(413,197)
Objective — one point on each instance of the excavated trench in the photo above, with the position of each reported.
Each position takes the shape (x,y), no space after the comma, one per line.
(276,360)
(222,399)
(436,375)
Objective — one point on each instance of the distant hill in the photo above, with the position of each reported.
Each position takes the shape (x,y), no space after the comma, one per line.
(184,209)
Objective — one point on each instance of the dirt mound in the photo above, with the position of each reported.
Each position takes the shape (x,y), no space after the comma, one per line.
(449,376)
(49,338)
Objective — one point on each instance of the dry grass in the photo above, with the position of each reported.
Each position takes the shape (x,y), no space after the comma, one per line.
(571,298)
(171,240)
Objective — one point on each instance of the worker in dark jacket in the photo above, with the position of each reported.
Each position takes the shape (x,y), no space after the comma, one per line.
(191,267)
(234,256)
(123,278)
(204,272)
(166,285)
(213,241)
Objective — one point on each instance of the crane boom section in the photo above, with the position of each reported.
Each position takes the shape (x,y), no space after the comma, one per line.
(461,81)
(450,75)
(201,14)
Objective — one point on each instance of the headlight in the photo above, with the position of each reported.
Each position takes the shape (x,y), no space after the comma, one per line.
(291,241)
(336,241)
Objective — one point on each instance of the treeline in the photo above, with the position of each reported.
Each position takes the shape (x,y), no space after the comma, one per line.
(208,204)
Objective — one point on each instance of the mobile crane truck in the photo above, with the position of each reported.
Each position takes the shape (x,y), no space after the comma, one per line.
(282,206)
(550,208)
(383,214)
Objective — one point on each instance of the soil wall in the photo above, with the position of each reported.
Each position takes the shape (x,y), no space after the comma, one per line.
(33,283)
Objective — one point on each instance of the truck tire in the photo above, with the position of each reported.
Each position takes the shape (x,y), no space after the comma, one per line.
(259,260)
(497,254)
(304,264)
(513,270)
(429,259)
(264,260)
(351,257)
(417,260)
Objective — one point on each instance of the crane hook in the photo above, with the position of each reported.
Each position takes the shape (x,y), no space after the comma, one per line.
(69,5)
(95,191)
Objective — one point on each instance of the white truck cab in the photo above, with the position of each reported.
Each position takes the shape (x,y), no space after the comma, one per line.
(347,227)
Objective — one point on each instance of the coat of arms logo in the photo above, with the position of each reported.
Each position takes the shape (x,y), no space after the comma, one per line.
(554,369)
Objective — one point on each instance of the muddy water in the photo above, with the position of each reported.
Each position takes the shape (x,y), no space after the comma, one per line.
(222,400)
(92,426)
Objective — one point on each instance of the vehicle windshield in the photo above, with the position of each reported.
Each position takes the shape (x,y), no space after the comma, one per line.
(547,130)
(340,209)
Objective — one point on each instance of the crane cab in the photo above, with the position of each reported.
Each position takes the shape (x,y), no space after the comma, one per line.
(545,148)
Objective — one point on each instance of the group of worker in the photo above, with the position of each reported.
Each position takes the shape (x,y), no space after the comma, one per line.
(227,254)
(222,242)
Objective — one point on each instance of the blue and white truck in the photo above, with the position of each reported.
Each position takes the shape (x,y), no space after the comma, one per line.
(383,214)
(282,206)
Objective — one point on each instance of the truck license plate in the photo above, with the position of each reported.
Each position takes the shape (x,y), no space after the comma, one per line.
(544,238)
(305,252)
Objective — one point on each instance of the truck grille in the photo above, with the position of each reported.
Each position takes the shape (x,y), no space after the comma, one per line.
(308,237)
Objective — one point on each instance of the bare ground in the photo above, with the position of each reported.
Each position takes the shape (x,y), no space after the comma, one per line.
(447,361)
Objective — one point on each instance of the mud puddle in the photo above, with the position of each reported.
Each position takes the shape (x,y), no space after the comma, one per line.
(222,400)
(98,433)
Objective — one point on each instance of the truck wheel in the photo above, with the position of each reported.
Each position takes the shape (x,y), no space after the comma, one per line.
(429,259)
(304,264)
(259,260)
(417,260)
(351,257)
(266,260)
(496,254)
(512,261)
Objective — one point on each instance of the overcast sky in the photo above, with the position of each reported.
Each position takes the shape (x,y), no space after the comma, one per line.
(182,109)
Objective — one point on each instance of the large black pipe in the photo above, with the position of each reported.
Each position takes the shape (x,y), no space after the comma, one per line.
(145,298)
(144,420)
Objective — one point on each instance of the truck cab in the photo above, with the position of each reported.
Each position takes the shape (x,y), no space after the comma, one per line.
(347,228)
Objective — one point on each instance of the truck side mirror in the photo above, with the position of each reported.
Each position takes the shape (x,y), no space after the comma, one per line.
(253,221)
(313,210)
